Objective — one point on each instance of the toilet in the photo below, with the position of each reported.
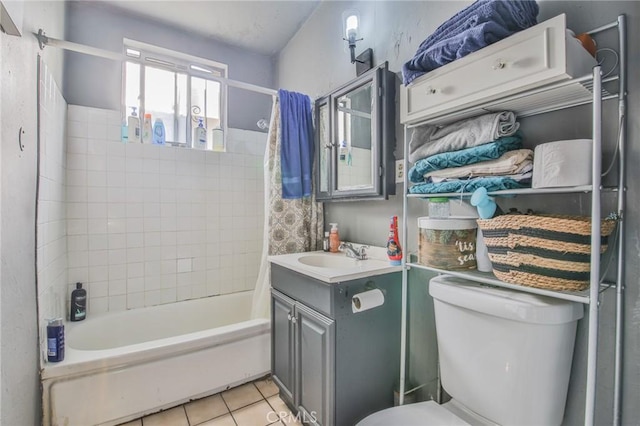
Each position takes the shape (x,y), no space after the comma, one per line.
(505,358)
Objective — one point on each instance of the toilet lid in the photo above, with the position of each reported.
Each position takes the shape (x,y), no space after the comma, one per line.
(419,414)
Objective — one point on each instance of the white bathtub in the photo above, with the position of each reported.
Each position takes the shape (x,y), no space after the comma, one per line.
(120,366)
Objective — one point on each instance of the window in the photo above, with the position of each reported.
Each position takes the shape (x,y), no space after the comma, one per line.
(179,89)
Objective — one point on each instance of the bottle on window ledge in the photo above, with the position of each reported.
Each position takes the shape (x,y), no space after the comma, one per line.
(158,132)
(147,130)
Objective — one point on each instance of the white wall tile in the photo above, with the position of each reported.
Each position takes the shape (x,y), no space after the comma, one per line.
(145,223)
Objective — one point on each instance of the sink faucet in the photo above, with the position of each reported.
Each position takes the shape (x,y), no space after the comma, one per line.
(358,253)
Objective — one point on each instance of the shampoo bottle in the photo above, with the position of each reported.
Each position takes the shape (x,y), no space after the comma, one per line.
(78,303)
(133,127)
(55,340)
(200,136)
(334,238)
(158,132)
(146,129)
(394,251)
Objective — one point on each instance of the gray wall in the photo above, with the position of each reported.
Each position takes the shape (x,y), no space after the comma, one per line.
(394,29)
(97,82)
(19,352)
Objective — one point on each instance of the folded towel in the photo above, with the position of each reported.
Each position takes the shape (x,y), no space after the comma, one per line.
(509,163)
(296,150)
(430,140)
(479,25)
(524,176)
(492,183)
(487,151)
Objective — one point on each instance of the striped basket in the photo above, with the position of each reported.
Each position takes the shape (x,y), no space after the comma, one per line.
(549,252)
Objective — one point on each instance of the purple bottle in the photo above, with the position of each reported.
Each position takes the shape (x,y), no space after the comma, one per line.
(55,340)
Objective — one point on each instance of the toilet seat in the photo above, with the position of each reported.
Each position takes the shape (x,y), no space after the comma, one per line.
(419,414)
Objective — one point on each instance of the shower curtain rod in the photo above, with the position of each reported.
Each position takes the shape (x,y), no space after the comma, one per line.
(44,40)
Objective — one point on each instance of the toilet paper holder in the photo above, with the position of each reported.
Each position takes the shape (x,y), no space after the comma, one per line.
(370,297)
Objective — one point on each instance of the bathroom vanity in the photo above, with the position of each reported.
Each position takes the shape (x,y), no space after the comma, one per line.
(334,366)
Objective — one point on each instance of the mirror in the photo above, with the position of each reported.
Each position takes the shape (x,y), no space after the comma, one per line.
(354,139)
(354,133)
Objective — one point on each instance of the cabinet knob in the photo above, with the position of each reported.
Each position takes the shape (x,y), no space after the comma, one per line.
(431,91)
(289,317)
(499,64)
(294,320)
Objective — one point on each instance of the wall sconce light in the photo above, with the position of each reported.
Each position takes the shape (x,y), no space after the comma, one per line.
(350,21)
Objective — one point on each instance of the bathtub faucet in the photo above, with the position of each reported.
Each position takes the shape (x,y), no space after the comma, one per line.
(358,253)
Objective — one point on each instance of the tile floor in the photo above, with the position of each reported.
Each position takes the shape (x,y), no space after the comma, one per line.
(251,404)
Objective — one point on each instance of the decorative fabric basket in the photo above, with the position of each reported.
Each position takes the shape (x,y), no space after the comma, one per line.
(549,252)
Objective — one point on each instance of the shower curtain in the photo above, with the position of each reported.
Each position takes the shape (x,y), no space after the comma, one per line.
(290,225)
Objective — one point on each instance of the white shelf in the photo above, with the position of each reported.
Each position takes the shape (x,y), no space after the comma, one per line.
(520,191)
(490,279)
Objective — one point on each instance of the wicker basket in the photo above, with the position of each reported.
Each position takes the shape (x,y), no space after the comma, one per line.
(550,252)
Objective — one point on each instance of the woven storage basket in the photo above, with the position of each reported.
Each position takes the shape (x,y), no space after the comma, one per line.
(550,252)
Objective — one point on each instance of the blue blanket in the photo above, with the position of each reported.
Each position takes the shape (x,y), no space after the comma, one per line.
(463,157)
(471,29)
(296,144)
(491,183)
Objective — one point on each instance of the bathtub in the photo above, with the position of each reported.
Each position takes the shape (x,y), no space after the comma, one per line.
(124,365)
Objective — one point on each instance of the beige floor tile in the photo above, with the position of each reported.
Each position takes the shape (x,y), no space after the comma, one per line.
(284,412)
(241,396)
(205,409)
(226,420)
(173,417)
(258,414)
(132,423)
(267,387)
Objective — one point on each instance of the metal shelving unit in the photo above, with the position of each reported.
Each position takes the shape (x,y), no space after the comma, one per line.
(554,97)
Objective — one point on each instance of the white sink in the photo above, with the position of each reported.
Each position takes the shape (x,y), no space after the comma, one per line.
(336,267)
(325,261)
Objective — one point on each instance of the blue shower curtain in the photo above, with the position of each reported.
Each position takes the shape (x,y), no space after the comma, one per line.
(296,153)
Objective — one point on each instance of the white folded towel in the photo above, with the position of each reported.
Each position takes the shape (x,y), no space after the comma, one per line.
(510,163)
(430,140)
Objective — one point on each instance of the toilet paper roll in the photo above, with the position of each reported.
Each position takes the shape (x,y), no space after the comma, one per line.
(366,300)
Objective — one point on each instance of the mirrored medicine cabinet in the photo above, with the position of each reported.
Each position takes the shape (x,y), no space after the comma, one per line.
(355,134)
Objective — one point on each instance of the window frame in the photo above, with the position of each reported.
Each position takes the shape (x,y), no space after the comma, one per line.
(177,62)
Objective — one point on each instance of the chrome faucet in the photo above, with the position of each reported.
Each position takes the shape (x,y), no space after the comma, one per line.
(359,253)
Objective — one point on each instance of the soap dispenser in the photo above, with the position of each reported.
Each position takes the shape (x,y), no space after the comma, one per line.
(334,238)
(133,127)
(78,303)
(200,136)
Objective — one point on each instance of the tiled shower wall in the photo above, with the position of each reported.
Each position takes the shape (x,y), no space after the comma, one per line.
(51,222)
(148,224)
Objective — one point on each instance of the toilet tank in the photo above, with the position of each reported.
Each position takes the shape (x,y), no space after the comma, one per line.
(505,355)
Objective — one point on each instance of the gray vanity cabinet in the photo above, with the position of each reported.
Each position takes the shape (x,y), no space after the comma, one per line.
(303,357)
(282,338)
(333,367)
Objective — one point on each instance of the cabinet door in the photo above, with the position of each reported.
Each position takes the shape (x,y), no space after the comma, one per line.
(282,344)
(315,340)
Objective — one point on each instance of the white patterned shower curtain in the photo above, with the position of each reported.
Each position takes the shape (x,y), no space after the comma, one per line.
(290,226)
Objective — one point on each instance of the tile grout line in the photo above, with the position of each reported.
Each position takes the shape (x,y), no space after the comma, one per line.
(186,416)
(228,409)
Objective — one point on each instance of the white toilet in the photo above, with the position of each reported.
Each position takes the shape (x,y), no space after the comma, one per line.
(505,358)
